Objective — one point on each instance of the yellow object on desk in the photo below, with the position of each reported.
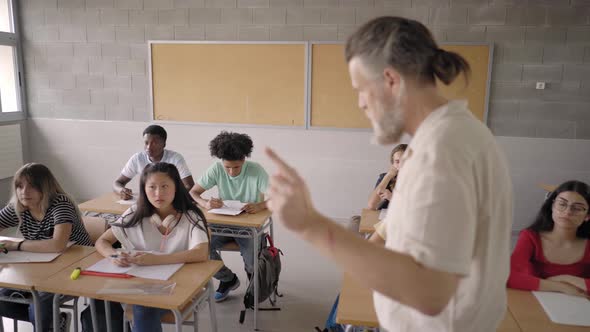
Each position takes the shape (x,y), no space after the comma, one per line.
(76,273)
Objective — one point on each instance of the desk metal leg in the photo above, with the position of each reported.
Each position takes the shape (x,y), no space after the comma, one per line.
(272,229)
(55,313)
(107,312)
(93,314)
(212,313)
(255,276)
(37,309)
(178,320)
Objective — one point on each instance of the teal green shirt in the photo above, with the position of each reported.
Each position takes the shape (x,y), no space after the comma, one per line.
(246,187)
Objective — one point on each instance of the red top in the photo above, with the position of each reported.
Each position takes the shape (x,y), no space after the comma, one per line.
(528,264)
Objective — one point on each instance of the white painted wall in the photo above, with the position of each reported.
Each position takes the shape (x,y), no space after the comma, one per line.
(340,166)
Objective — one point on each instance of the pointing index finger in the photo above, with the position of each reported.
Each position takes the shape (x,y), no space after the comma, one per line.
(283,166)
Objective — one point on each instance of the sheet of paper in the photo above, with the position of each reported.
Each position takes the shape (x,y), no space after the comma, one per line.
(104,265)
(129,201)
(159,272)
(30,257)
(382,214)
(565,309)
(230,208)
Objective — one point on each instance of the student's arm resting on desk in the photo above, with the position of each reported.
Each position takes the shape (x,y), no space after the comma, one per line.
(256,207)
(199,253)
(375,196)
(119,187)
(522,272)
(104,245)
(208,204)
(61,235)
(523,275)
(579,282)
(393,274)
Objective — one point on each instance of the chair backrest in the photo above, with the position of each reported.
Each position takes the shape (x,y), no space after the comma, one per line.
(95,226)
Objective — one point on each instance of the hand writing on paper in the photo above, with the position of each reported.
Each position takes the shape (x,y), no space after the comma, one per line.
(289,197)
(126,194)
(385,194)
(253,207)
(214,203)
(143,258)
(120,260)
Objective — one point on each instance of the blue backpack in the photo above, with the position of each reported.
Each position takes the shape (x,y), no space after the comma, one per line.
(331,325)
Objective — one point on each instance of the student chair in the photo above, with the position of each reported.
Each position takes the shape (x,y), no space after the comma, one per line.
(63,305)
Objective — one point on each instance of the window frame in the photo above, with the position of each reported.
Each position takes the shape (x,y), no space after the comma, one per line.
(13,39)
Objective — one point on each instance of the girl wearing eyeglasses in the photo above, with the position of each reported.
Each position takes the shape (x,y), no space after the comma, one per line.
(553,254)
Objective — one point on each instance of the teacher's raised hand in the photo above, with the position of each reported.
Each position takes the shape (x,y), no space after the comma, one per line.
(289,197)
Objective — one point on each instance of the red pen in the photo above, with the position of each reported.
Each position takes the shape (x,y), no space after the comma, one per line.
(104,274)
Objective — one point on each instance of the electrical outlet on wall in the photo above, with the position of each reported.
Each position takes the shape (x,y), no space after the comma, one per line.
(540,86)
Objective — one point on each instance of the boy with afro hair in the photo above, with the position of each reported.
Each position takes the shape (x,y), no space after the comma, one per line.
(236,179)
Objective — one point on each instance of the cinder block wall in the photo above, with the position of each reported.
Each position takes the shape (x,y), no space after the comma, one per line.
(87,59)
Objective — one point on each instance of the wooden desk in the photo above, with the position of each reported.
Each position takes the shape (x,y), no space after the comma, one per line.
(356,308)
(106,203)
(531,317)
(244,225)
(368,220)
(190,281)
(26,276)
(547,187)
(242,220)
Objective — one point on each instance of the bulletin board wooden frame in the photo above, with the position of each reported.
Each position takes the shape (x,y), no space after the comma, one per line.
(334,104)
(308,86)
(239,83)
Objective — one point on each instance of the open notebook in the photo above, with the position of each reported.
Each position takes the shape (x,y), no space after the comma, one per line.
(230,208)
(160,272)
(565,309)
(30,257)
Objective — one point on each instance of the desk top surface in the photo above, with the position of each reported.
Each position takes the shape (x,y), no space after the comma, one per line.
(356,308)
(25,276)
(243,219)
(368,220)
(107,203)
(531,317)
(356,304)
(190,280)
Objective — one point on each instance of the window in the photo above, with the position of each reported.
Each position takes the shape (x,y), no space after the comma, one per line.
(11,90)
(6,22)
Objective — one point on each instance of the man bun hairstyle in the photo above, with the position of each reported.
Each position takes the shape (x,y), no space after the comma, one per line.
(407,46)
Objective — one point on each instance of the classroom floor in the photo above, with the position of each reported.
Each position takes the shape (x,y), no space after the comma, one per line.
(305,304)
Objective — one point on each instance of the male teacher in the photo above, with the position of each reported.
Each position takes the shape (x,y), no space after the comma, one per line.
(446,258)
